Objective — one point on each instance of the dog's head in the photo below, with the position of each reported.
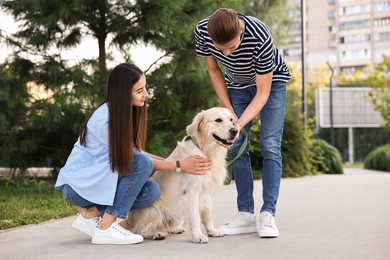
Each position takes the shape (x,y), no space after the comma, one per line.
(213,125)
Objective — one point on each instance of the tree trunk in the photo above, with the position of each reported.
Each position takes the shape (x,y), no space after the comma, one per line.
(102,53)
(101,34)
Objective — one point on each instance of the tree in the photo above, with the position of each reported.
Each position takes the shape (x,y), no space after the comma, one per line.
(62,24)
(50,124)
(379,80)
(273,13)
(47,126)
(185,78)
(13,96)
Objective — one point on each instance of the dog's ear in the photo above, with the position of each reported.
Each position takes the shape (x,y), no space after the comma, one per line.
(194,126)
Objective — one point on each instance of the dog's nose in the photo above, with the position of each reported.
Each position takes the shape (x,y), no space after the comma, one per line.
(233,131)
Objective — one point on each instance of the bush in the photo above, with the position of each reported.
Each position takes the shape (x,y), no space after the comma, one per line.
(326,158)
(296,145)
(378,159)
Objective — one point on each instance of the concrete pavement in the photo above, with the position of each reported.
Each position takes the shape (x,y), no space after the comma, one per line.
(319,217)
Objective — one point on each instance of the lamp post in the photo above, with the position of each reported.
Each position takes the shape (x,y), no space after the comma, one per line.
(331,104)
(303,40)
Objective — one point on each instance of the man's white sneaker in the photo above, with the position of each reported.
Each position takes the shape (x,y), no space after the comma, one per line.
(115,235)
(267,226)
(87,226)
(239,225)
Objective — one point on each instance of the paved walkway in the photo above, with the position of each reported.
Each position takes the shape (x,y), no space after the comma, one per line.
(319,217)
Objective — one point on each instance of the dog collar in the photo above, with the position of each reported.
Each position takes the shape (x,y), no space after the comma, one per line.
(187,138)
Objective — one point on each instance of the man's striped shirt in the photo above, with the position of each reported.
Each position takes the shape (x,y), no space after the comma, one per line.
(256,54)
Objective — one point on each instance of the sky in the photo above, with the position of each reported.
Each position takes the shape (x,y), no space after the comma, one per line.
(142,55)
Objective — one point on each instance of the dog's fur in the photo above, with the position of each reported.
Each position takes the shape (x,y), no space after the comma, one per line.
(187,195)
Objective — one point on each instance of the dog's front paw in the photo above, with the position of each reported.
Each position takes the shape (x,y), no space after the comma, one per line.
(215,233)
(159,236)
(177,230)
(201,239)
(154,235)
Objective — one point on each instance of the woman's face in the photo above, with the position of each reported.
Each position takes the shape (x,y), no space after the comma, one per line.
(139,93)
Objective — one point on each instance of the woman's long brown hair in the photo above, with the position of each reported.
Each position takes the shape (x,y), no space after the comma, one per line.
(127,123)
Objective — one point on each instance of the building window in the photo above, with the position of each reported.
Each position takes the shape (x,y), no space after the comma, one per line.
(295,38)
(333,29)
(380,52)
(296,26)
(353,70)
(333,58)
(348,70)
(382,6)
(293,52)
(382,37)
(355,38)
(331,2)
(354,25)
(385,21)
(355,54)
(332,14)
(355,9)
(332,43)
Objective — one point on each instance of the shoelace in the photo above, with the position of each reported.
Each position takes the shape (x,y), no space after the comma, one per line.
(267,220)
(236,218)
(122,230)
(96,220)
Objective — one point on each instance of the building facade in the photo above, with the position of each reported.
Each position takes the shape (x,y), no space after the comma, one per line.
(349,35)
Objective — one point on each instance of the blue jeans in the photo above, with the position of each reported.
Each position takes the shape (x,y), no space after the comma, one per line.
(271,131)
(134,191)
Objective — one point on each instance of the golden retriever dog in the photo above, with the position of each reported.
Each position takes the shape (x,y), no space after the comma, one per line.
(186,198)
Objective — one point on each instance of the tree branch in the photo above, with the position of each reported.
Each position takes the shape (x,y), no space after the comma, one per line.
(151,65)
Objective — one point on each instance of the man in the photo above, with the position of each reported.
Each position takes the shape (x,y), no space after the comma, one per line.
(254,82)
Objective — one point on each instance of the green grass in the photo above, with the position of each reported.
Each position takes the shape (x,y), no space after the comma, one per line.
(356,165)
(257,174)
(30,202)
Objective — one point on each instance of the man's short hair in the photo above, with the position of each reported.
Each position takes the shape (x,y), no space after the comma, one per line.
(223,25)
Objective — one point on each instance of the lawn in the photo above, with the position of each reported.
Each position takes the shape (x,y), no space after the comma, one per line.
(356,165)
(30,202)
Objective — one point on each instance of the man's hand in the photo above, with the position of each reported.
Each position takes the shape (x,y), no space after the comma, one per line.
(238,127)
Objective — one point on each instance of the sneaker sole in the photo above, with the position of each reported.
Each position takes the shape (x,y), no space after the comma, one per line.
(238,231)
(268,234)
(102,241)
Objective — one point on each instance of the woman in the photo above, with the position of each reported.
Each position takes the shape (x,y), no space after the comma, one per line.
(107,173)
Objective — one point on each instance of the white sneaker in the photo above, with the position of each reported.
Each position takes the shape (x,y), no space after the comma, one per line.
(115,235)
(87,226)
(267,226)
(239,225)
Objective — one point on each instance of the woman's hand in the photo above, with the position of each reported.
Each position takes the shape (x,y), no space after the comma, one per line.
(195,164)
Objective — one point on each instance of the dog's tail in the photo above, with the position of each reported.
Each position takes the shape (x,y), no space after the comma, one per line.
(153,222)
(169,219)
